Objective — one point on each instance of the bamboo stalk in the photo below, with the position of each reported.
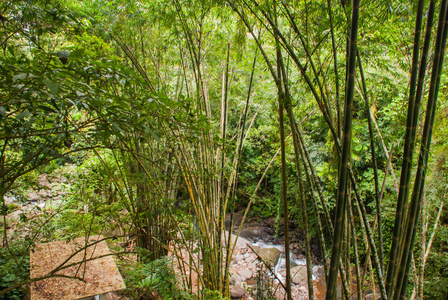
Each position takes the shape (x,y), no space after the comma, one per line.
(316,209)
(222,202)
(418,289)
(341,202)
(355,251)
(375,168)
(281,76)
(297,155)
(285,200)
(413,108)
(419,184)
(336,73)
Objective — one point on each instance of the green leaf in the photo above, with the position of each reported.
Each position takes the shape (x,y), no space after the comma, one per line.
(53,87)
(11,50)
(2,111)
(115,125)
(19,77)
(46,108)
(152,133)
(23,114)
(77,53)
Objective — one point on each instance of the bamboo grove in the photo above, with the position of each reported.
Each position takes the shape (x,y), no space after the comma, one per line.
(175,101)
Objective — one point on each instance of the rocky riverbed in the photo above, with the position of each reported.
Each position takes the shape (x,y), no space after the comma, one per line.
(250,277)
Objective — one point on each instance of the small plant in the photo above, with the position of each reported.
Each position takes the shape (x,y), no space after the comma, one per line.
(212,295)
(155,280)
(14,267)
(9,208)
(263,208)
(265,284)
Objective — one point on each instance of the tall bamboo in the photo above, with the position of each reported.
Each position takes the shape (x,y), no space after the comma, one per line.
(298,162)
(375,167)
(341,202)
(419,184)
(281,76)
(336,72)
(408,149)
(285,198)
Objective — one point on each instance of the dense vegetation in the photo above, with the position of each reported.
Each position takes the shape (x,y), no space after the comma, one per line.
(156,119)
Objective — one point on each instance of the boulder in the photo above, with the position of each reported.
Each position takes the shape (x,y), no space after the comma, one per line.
(33,196)
(237,219)
(42,180)
(372,297)
(283,273)
(269,255)
(235,280)
(238,257)
(245,273)
(303,289)
(299,275)
(237,292)
(320,288)
(255,233)
(240,242)
(319,271)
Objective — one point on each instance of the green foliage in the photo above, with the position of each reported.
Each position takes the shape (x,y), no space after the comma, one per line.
(9,208)
(213,295)
(14,268)
(263,208)
(93,204)
(124,75)
(436,271)
(154,279)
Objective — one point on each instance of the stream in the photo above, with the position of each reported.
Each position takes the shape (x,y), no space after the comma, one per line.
(245,271)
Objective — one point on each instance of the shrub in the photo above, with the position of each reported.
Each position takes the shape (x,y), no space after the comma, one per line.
(14,268)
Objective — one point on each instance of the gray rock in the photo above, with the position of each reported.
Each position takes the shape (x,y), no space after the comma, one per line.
(283,273)
(239,257)
(42,180)
(237,292)
(299,275)
(240,242)
(235,280)
(44,193)
(33,196)
(270,255)
(319,271)
(245,273)
(371,296)
(255,233)
(237,219)
(256,248)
